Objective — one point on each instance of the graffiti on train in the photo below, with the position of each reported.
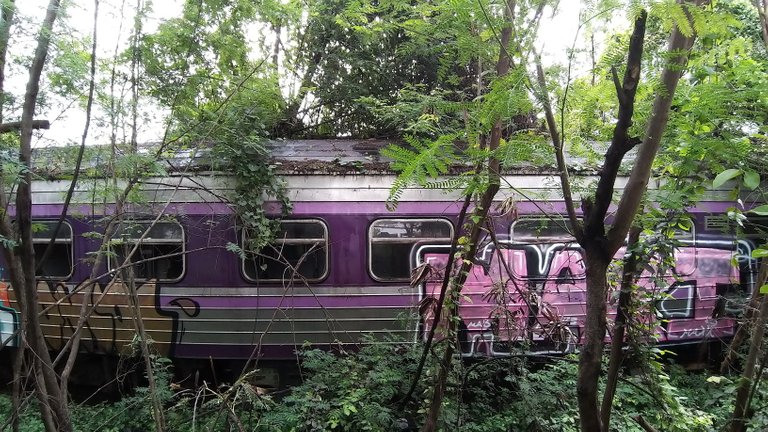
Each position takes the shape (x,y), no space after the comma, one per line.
(544,295)
(111,326)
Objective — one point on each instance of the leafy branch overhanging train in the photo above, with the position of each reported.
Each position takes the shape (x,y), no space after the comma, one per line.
(340,268)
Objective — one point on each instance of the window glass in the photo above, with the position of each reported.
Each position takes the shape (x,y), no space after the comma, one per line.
(160,254)
(58,264)
(686,234)
(545,230)
(158,232)
(300,250)
(391,240)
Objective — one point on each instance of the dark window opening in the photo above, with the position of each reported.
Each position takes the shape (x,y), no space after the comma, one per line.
(59,263)
(160,254)
(678,301)
(542,230)
(299,251)
(732,301)
(392,240)
(162,262)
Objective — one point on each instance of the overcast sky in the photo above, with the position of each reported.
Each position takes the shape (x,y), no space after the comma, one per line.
(557,35)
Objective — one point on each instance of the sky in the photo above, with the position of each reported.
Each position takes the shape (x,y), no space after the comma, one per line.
(558,32)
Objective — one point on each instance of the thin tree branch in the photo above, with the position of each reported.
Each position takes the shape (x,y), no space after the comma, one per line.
(644,424)
(554,136)
(679,45)
(69,366)
(7,14)
(628,275)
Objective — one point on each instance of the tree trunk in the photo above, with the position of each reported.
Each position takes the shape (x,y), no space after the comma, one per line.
(23,271)
(619,330)
(478,220)
(762,11)
(741,405)
(594,335)
(457,282)
(600,247)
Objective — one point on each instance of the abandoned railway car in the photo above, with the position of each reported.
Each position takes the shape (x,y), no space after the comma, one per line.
(340,268)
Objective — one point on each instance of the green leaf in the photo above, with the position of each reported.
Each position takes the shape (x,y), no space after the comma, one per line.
(751,180)
(760,210)
(724,176)
(764,289)
(760,253)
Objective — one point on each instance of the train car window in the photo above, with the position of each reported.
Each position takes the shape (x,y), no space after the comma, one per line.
(299,251)
(390,242)
(753,227)
(160,254)
(58,264)
(685,236)
(541,230)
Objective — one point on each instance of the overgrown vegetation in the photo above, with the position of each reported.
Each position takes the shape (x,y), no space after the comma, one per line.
(363,391)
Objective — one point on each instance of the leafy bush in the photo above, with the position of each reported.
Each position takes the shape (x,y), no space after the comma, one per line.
(364,391)
(360,391)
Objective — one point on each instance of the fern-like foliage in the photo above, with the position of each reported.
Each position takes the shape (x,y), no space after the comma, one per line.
(703,20)
(525,148)
(418,162)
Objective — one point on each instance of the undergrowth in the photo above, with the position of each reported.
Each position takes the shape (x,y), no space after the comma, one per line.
(365,390)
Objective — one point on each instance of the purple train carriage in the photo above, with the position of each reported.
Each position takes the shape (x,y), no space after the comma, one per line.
(340,267)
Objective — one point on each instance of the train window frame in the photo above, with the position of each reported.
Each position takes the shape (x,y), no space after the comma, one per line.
(36,240)
(541,218)
(150,223)
(412,240)
(325,245)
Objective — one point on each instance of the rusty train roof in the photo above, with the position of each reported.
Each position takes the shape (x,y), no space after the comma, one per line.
(290,157)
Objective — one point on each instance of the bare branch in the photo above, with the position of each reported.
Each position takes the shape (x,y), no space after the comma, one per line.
(6,21)
(617,84)
(741,409)
(554,136)
(70,364)
(621,142)
(644,424)
(628,275)
(679,45)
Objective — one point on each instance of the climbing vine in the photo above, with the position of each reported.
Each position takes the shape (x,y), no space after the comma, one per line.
(255,181)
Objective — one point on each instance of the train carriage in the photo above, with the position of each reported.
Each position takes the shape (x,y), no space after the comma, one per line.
(339,269)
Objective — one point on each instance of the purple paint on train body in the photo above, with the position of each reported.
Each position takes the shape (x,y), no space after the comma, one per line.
(212,310)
